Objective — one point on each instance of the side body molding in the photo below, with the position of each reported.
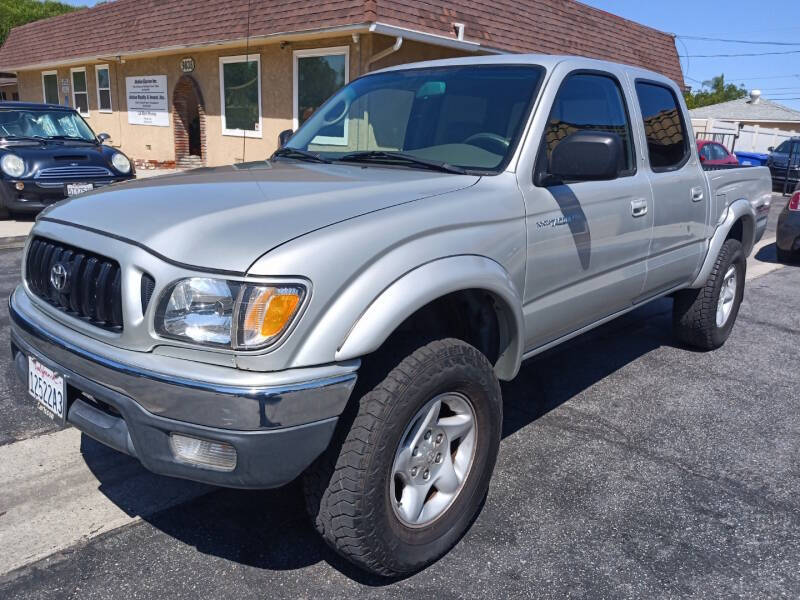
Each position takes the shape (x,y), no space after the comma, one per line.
(738,209)
(433,280)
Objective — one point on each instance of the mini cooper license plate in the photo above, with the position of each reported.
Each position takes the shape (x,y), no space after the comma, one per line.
(47,386)
(73,189)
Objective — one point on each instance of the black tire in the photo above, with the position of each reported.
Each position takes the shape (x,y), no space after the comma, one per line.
(785,256)
(348,488)
(694,311)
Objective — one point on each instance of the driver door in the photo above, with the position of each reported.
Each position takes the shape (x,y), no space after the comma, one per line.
(588,241)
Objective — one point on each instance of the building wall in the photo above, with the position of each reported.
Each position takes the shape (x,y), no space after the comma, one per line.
(145,143)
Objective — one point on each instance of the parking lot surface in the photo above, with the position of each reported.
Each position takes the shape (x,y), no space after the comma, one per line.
(629,467)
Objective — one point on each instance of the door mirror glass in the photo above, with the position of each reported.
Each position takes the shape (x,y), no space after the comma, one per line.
(284,136)
(588,156)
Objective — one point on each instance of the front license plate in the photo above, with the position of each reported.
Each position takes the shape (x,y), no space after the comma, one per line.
(48,388)
(73,189)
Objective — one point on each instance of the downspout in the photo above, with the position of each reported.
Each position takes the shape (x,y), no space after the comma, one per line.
(398,42)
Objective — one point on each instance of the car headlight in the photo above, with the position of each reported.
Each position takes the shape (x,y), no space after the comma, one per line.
(12,165)
(227,313)
(121,162)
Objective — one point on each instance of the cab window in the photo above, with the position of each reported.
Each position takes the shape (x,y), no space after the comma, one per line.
(587,101)
(667,139)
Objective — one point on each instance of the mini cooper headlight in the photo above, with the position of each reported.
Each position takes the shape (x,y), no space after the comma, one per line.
(12,165)
(121,163)
(227,313)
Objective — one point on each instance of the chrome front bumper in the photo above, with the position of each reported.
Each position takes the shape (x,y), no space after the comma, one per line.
(277,430)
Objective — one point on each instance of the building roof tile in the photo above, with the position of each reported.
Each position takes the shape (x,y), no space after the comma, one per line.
(545,26)
(744,109)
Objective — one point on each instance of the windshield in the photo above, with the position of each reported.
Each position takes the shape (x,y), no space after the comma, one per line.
(26,123)
(465,116)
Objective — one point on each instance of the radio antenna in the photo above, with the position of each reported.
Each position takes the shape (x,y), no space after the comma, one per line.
(247,62)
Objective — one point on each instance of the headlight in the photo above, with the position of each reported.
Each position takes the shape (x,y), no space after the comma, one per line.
(12,165)
(121,162)
(227,313)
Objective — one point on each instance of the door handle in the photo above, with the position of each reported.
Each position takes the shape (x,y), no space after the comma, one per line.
(639,207)
(697,194)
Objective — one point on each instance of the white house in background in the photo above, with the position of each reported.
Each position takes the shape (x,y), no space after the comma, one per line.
(751,124)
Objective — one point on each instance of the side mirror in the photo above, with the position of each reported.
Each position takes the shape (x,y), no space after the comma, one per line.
(771,148)
(103,137)
(284,136)
(587,156)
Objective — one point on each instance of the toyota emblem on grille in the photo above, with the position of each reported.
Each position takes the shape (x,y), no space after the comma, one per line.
(59,277)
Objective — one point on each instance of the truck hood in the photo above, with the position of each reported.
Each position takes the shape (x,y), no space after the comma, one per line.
(224,218)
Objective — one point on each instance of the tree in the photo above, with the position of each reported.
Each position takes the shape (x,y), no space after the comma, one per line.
(19,12)
(714,91)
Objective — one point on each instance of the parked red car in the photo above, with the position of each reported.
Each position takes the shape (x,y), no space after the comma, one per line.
(714,153)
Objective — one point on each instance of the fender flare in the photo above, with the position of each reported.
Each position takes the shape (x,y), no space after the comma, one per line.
(428,282)
(738,209)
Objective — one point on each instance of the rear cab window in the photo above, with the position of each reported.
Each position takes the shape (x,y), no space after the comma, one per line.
(664,127)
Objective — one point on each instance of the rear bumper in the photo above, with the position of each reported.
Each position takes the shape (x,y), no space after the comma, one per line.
(109,412)
(788,232)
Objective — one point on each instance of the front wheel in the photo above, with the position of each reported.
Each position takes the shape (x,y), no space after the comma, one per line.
(704,317)
(402,486)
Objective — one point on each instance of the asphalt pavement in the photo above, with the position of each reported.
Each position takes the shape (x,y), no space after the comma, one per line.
(629,467)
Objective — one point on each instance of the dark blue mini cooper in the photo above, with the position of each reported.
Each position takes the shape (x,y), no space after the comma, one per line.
(48,153)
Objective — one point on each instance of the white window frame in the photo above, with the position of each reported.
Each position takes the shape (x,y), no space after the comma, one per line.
(296,55)
(72,72)
(58,87)
(97,69)
(258,133)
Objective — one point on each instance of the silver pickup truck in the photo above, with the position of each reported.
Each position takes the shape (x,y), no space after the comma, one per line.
(346,309)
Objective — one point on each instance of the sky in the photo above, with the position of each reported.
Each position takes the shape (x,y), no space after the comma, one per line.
(776,75)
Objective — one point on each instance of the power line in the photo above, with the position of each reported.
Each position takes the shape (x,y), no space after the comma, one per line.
(711,39)
(738,54)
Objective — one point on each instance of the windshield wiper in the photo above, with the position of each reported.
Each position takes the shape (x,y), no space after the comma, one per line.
(71,138)
(33,138)
(300,154)
(383,157)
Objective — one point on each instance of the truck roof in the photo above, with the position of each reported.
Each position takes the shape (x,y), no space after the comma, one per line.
(548,61)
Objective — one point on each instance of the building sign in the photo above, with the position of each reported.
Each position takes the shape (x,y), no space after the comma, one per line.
(147,100)
(187,64)
(64,85)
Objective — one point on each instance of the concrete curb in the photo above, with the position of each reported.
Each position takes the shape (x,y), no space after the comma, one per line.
(14,241)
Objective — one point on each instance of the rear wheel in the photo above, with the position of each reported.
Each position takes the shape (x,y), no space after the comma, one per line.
(786,256)
(704,317)
(408,477)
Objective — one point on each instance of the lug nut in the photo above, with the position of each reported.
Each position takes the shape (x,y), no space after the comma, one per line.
(415,451)
(413,471)
(439,438)
(428,434)
(426,474)
(438,458)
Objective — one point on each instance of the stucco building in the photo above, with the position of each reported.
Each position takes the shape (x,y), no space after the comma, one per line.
(203,82)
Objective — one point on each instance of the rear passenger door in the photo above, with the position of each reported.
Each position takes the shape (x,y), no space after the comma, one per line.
(680,205)
(587,240)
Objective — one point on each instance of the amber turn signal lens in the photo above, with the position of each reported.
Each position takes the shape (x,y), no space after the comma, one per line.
(268,312)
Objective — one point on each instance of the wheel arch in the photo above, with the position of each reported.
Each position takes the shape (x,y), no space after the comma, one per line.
(434,284)
(738,222)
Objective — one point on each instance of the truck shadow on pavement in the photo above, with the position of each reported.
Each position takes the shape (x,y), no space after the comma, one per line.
(270,530)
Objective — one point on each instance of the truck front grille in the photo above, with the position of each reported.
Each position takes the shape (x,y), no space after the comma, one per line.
(80,283)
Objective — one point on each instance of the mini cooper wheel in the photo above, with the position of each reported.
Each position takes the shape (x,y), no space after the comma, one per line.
(407,479)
